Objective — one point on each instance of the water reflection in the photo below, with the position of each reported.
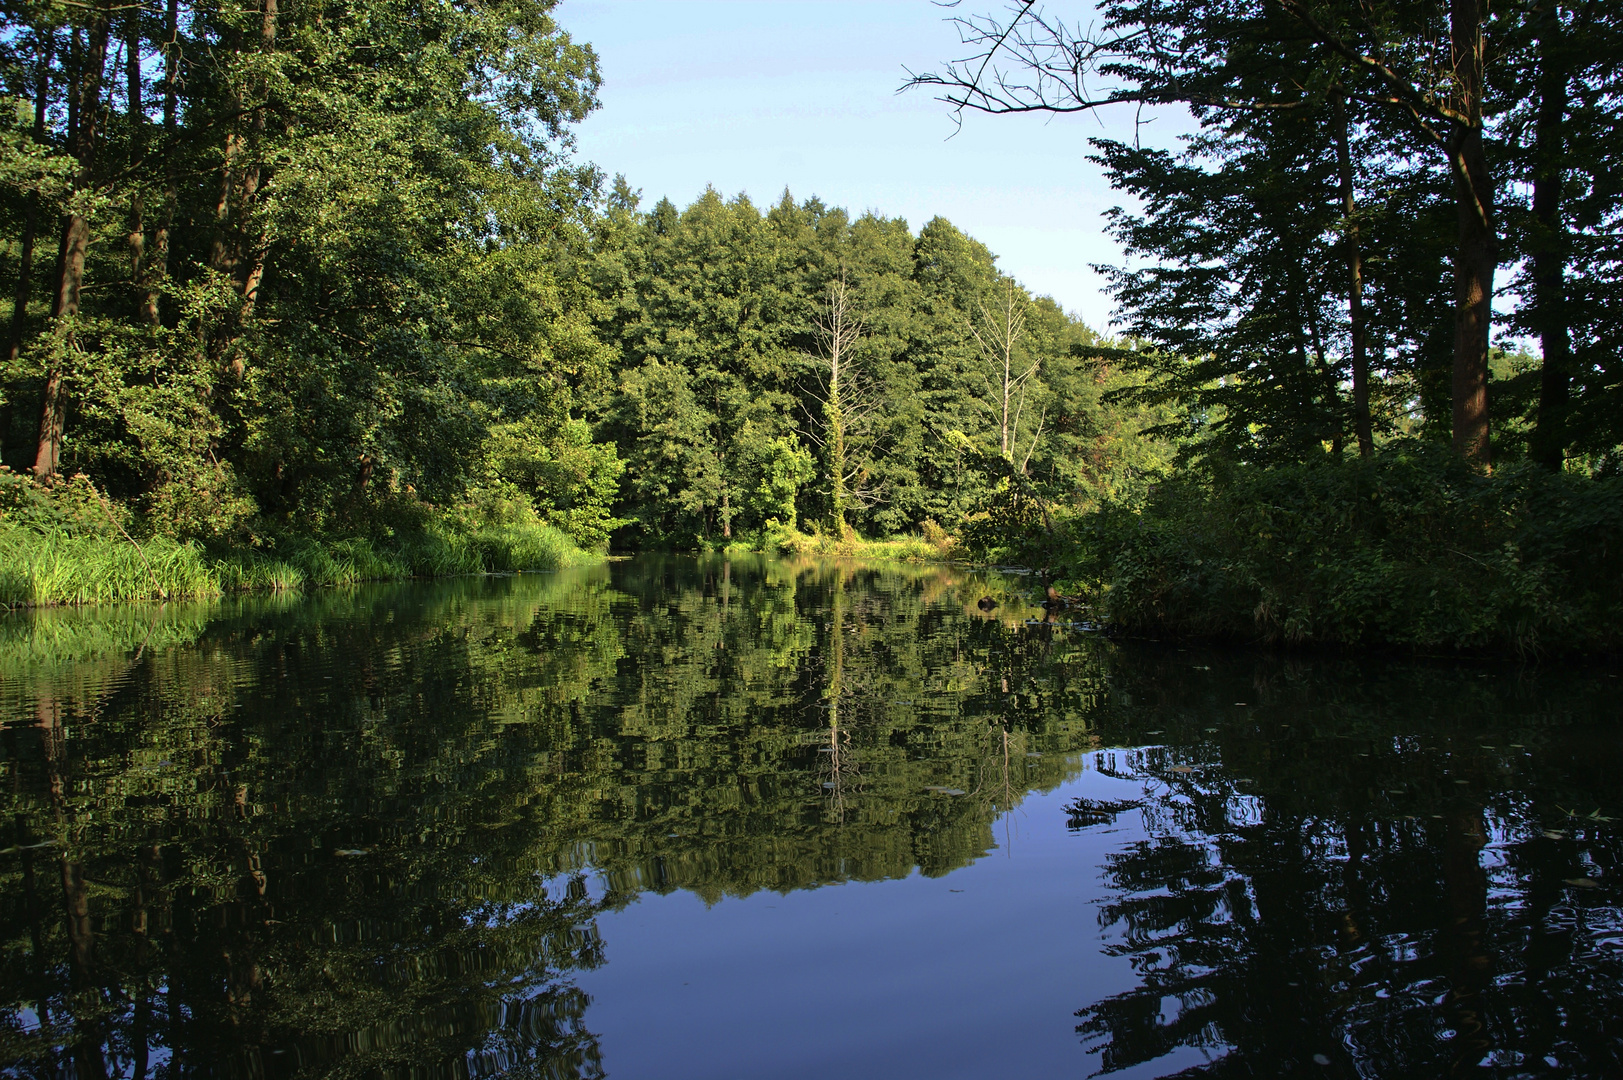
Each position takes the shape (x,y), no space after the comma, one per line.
(1370,871)
(379,832)
(354,832)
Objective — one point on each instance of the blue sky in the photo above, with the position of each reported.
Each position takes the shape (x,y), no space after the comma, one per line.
(755,95)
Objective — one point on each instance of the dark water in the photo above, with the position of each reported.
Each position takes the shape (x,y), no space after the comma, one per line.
(667,818)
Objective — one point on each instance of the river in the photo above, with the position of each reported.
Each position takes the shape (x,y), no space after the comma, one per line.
(673,817)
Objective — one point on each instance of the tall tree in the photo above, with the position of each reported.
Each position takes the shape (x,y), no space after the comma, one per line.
(84,84)
(999,330)
(1151,52)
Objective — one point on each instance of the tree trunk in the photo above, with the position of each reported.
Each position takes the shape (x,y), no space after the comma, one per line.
(1001,334)
(1355,284)
(75,241)
(135,113)
(1477,254)
(25,259)
(236,252)
(840,332)
(156,271)
(1548,245)
(252,177)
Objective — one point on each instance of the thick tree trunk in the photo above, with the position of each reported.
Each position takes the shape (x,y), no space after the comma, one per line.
(835,411)
(64,309)
(1477,254)
(75,242)
(251,181)
(237,252)
(1355,285)
(1549,254)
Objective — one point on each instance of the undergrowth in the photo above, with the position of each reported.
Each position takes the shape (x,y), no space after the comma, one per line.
(65,545)
(931,545)
(1411,549)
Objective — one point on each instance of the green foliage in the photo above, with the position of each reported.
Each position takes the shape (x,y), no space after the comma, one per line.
(352,270)
(932,545)
(374,312)
(783,467)
(1411,550)
(571,480)
(721,414)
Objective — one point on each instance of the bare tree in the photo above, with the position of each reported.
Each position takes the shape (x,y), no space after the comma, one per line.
(998,333)
(847,398)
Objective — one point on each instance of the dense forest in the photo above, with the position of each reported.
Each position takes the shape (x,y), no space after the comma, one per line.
(332,277)
(308,274)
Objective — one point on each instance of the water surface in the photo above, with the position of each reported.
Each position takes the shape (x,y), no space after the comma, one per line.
(685,818)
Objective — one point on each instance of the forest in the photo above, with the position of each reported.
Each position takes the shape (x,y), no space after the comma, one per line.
(321,292)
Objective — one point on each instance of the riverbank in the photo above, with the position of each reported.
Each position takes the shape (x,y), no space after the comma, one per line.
(44,568)
(1410,550)
(932,544)
(66,544)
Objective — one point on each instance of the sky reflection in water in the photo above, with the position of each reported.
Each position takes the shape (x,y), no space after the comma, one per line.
(674,818)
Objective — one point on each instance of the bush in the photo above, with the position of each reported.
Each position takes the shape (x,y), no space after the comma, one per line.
(1411,549)
(934,546)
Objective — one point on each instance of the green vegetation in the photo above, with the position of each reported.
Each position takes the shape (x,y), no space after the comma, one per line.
(348,308)
(1410,548)
(1309,295)
(66,544)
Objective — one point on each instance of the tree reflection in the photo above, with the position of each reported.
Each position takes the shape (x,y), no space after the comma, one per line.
(369,833)
(1322,892)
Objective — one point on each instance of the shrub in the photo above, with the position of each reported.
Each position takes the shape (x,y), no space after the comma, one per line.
(64,544)
(1411,548)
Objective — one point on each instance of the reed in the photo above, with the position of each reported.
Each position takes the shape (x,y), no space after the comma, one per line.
(58,568)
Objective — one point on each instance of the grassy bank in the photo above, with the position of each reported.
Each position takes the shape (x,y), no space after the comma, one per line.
(932,544)
(62,568)
(1411,549)
(66,545)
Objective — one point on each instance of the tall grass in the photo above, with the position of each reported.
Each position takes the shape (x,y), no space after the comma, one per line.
(39,567)
(58,568)
(933,545)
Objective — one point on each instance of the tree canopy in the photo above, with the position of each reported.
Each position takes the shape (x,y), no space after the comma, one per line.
(337,272)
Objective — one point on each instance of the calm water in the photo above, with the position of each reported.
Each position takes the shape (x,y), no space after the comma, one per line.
(674,818)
